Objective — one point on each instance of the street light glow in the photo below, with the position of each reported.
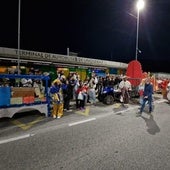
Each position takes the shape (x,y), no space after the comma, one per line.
(140,4)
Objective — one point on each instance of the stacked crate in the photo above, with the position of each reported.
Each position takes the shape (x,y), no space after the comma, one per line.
(22,95)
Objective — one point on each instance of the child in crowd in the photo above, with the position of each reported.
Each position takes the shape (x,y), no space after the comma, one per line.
(81,96)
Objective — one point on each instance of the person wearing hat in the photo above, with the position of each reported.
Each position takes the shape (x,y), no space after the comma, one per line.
(56,93)
(125,86)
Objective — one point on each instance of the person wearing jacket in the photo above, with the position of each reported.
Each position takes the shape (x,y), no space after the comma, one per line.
(56,93)
(67,94)
(147,96)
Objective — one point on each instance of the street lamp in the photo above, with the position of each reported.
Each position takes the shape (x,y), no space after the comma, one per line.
(140,5)
(18,51)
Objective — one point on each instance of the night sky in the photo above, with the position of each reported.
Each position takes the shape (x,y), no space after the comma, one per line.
(101,29)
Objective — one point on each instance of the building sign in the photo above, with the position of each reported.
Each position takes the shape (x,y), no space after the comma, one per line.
(58,58)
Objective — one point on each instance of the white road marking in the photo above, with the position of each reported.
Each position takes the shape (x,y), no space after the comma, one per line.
(160,101)
(15,138)
(83,121)
(135,107)
(51,128)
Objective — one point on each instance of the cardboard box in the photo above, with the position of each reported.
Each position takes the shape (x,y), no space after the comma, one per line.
(16,100)
(22,91)
(28,100)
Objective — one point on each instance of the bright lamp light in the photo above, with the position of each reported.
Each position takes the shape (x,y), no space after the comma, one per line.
(140,4)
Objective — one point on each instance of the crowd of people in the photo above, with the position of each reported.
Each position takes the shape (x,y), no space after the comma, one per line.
(64,89)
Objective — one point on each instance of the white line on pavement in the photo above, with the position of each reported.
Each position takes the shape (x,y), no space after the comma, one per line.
(50,128)
(83,121)
(15,138)
(160,101)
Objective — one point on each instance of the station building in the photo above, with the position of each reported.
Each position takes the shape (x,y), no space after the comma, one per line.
(10,58)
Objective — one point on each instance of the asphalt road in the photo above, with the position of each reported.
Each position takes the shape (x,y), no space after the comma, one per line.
(100,138)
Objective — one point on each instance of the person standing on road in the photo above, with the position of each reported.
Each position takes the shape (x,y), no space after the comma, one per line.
(168,91)
(56,93)
(125,86)
(81,96)
(92,93)
(168,87)
(141,90)
(147,96)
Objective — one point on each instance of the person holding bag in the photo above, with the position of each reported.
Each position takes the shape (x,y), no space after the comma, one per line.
(81,96)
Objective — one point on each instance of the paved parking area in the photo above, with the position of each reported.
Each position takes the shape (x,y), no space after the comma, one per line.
(25,121)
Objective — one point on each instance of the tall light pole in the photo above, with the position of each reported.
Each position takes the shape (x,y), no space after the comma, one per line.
(19,14)
(140,5)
